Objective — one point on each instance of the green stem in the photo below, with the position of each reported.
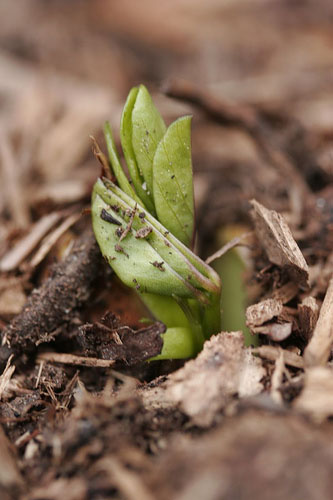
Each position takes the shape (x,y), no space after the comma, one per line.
(190,311)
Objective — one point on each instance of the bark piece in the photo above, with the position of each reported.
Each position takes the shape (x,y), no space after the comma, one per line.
(318,350)
(263,311)
(278,242)
(308,312)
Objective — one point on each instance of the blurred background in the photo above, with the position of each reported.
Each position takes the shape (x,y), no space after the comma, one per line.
(66,66)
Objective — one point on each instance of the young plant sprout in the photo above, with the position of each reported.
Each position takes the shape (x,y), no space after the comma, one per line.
(144,226)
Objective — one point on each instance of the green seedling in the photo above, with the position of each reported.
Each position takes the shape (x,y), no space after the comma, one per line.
(145,225)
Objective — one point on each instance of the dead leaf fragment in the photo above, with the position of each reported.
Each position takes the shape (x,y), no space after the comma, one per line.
(278,242)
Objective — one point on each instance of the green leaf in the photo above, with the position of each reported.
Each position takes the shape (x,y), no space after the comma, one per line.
(173,182)
(115,163)
(196,274)
(165,309)
(148,128)
(134,259)
(178,343)
(126,131)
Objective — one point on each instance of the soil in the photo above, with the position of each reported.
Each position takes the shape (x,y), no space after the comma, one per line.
(83,413)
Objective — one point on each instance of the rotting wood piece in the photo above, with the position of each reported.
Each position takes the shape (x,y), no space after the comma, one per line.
(278,242)
(49,306)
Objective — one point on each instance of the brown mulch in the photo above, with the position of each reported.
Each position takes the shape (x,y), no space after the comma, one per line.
(83,413)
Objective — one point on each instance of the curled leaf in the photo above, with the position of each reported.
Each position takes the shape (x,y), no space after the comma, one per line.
(137,263)
(196,274)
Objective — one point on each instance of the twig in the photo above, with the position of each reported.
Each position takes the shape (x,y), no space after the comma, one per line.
(237,241)
(72,359)
(272,353)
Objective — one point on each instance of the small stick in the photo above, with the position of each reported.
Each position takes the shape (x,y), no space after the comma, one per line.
(272,353)
(228,246)
(72,359)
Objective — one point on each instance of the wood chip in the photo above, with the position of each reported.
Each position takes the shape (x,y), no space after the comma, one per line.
(318,350)
(263,311)
(272,353)
(278,242)
(308,312)
(6,376)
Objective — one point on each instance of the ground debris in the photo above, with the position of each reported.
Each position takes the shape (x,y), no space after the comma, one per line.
(110,340)
(49,306)
(253,455)
(275,237)
(203,387)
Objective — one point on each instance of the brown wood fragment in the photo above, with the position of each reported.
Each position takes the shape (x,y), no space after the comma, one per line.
(72,359)
(272,353)
(308,312)
(278,242)
(318,350)
(285,293)
(263,311)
